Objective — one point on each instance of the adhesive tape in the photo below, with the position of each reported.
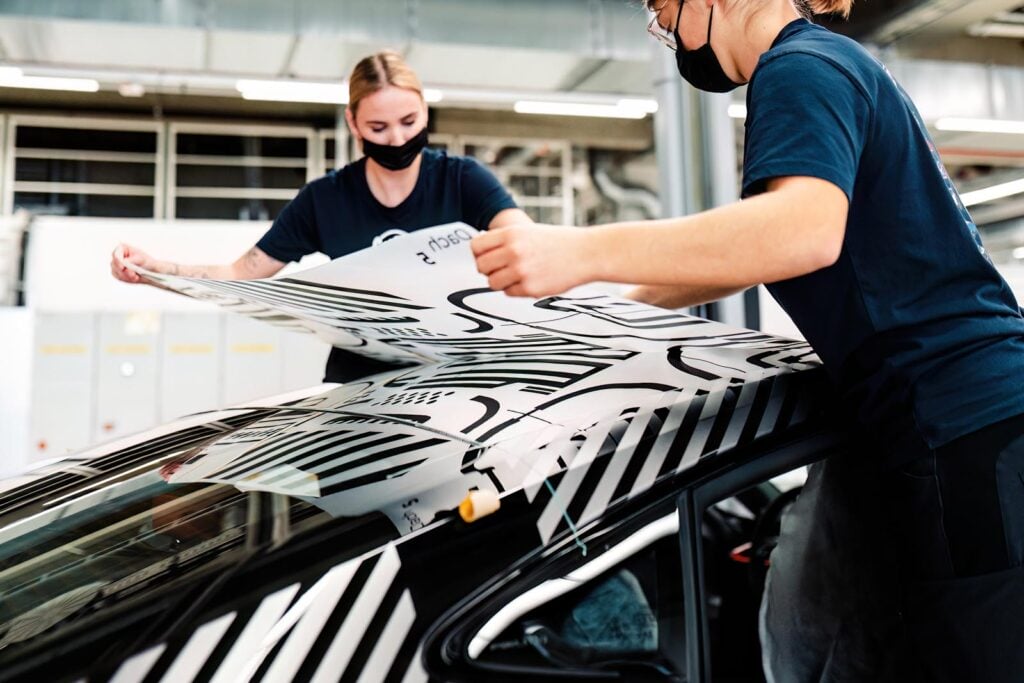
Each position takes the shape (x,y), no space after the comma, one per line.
(478,504)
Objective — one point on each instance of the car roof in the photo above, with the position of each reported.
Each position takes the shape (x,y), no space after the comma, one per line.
(508,394)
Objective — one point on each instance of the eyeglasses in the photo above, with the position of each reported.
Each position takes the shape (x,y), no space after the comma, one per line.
(662,35)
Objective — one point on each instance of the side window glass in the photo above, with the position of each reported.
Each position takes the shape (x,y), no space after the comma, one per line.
(629,619)
(738,536)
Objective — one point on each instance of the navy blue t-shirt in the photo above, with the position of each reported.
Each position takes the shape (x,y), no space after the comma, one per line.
(338,214)
(913,323)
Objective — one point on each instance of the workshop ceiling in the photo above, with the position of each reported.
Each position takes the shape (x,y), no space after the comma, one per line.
(539,45)
(193,49)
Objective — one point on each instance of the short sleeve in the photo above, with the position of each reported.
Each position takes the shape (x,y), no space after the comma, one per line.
(483,197)
(805,117)
(293,234)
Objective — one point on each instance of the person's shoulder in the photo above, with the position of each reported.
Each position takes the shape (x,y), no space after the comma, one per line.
(344,180)
(348,173)
(456,167)
(815,56)
(441,160)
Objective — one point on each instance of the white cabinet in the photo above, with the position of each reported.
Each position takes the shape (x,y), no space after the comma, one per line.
(126,380)
(96,376)
(190,367)
(304,359)
(252,359)
(63,384)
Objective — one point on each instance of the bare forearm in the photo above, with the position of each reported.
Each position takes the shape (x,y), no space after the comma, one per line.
(253,264)
(221,272)
(764,239)
(671,296)
(796,227)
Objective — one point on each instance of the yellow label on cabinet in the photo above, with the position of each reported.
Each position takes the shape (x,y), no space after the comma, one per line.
(128,349)
(252,348)
(63,349)
(191,349)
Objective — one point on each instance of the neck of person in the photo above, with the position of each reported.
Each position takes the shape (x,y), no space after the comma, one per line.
(391,188)
(761,31)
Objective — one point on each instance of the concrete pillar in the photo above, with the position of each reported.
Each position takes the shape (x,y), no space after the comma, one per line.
(696,151)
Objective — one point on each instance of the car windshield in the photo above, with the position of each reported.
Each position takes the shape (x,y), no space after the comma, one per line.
(92,551)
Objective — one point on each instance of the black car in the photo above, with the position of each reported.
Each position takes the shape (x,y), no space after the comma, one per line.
(592,499)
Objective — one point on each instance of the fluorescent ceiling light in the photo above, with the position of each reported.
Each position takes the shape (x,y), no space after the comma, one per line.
(963,125)
(48,83)
(13,77)
(989,194)
(610,111)
(996,29)
(308,91)
(131,89)
(1018,253)
(738,111)
(647,106)
(293,91)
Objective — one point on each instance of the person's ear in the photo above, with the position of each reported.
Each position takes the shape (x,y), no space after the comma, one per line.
(351,121)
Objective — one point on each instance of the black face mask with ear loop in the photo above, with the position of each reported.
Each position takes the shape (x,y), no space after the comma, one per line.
(396,157)
(701,67)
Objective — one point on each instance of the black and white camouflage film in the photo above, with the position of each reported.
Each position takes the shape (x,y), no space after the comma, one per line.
(510,394)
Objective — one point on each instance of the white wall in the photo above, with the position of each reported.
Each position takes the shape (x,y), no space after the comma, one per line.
(15,387)
(68,260)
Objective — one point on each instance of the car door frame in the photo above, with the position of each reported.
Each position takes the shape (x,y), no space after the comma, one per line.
(718,485)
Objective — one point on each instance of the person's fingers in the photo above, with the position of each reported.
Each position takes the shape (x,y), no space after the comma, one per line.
(124,274)
(503,279)
(486,241)
(131,255)
(493,260)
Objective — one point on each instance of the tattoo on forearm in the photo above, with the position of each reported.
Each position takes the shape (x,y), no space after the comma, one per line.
(252,258)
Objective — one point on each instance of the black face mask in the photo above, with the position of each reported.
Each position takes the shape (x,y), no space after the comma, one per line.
(396,157)
(701,67)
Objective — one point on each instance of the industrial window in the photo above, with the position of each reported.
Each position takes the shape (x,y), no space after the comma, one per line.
(191,170)
(85,167)
(536,172)
(236,172)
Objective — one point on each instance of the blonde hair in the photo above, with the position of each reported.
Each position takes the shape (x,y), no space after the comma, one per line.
(807,8)
(376,72)
(840,7)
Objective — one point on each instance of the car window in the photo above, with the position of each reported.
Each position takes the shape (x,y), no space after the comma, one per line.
(90,552)
(628,618)
(738,535)
(109,544)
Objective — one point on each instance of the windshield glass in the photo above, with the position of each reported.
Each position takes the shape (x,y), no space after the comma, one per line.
(91,551)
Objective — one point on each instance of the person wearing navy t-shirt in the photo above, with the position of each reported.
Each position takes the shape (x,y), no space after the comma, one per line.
(398,186)
(850,219)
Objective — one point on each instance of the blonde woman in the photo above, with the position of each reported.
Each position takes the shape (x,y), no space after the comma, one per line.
(399,185)
(850,219)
